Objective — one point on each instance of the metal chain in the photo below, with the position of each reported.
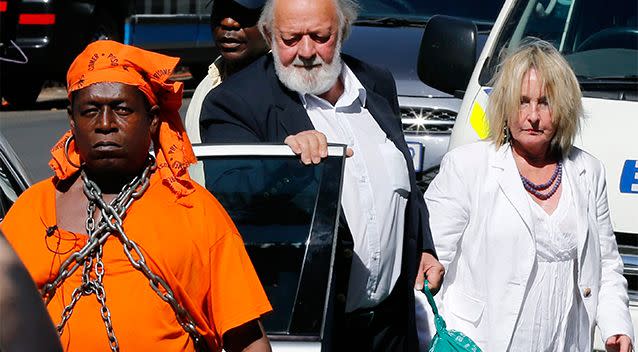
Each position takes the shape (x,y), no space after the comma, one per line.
(91,256)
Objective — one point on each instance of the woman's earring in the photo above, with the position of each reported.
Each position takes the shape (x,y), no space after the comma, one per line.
(66,151)
(506,134)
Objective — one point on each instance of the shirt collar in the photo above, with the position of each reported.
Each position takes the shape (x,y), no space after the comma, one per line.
(353,91)
(215,70)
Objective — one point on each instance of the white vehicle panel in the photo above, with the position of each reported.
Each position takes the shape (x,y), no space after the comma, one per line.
(610,133)
(293,346)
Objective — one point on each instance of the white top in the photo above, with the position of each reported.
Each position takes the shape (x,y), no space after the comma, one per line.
(375,190)
(212,80)
(191,122)
(485,237)
(552,316)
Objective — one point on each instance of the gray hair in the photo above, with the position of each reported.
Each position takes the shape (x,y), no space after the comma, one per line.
(347,12)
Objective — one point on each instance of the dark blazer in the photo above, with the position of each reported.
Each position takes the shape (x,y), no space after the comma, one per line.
(253,106)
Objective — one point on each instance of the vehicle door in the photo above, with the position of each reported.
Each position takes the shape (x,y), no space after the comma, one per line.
(287,214)
(14,178)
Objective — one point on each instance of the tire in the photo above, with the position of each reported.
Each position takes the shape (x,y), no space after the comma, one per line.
(21,92)
(198,72)
(423,179)
(106,26)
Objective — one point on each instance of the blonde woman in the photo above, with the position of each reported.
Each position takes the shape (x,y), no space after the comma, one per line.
(521,222)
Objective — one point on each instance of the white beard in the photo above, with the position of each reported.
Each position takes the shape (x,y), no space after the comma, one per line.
(308,79)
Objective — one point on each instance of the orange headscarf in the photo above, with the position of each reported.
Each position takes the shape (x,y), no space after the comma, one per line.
(109,61)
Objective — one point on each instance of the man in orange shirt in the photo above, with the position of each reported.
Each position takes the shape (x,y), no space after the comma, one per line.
(129,253)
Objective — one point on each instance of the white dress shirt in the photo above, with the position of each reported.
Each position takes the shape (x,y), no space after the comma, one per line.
(375,190)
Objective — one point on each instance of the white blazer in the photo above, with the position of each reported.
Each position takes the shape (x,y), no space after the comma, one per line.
(484,236)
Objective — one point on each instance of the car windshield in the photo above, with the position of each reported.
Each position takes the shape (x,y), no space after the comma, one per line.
(286,213)
(598,38)
(420,10)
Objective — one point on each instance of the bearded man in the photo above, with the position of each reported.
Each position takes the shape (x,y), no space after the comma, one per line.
(307,94)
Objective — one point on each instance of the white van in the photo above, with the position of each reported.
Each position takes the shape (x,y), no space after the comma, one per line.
(600,41)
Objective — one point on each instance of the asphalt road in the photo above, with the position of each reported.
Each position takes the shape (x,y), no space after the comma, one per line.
(32,133)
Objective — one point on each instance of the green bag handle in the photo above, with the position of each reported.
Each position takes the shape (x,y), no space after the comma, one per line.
(454,340)
(430,297)
(441,327)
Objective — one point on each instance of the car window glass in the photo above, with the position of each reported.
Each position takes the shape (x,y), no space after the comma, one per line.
(170,7)
(9,189)
(274,202)
(478,11)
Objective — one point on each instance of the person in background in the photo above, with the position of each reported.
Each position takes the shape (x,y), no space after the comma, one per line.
(307,94)
(25,325)
(234,27)
(521,222)
(129,253)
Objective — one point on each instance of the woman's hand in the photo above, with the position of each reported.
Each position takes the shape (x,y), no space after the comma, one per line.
(619,343)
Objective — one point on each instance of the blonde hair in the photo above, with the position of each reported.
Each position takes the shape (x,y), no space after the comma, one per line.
(561,88)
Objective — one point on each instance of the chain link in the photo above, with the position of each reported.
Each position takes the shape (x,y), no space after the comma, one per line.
(90,257)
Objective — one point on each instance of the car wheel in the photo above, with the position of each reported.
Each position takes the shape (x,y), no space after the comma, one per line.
(198,72)
(105,27)
(423,179)
(23,91)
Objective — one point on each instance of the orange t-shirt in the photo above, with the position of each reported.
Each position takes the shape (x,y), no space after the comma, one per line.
(192,244)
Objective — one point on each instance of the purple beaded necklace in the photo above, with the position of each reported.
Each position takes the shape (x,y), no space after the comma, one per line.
(535,189)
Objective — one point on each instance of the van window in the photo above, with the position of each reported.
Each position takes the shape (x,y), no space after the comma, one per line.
(598,38)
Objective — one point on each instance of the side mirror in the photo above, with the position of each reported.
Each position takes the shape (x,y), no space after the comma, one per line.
(448,53)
